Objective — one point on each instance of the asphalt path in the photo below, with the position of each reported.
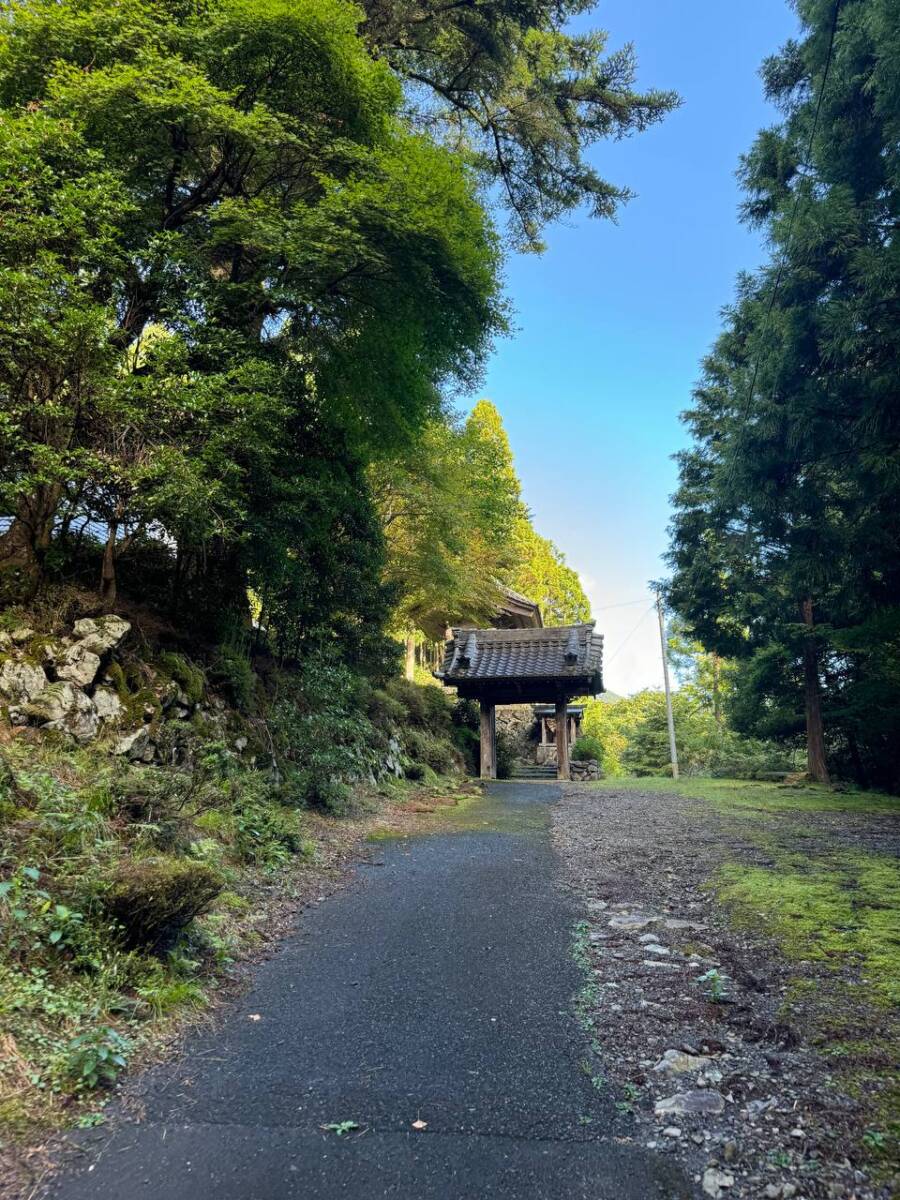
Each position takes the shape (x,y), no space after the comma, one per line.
(435,989)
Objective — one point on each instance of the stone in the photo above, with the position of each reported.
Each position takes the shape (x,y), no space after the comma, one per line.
(672,1131)
(714,1181)
(53,703)
(648,937)
(676,1062)
(755,1108)
(79,665)
(656,948)
(240,744)
(21,635)
(81,721)
(730,1151)
(100,635)
(67,709)
(108,705)
(702,1102)
(133,745)
(21,681)
(631,921)
(677,923)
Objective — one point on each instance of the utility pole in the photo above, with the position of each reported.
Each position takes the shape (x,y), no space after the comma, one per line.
(665,657)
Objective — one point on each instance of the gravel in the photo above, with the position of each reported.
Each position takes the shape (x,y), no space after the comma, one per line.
(758,1111)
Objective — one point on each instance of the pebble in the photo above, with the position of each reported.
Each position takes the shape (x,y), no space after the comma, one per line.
(677,1062)
(691,1103)
(655,948)
(648,937)
(673,1131)
(715,1180)
(631,921)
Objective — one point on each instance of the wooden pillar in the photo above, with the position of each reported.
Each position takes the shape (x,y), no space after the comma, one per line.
(543,731)
(488,741)
(562,742)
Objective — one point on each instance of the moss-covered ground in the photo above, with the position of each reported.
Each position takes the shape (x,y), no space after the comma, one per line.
(814,873)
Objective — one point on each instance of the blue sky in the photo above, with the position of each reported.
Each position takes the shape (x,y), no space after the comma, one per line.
(612,321)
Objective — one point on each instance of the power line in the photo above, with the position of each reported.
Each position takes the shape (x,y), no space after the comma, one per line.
(622,604)
(622,645)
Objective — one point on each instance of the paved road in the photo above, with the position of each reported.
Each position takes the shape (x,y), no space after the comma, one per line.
(436,987)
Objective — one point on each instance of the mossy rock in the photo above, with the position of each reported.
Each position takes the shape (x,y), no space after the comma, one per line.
(189,677)
(155,898)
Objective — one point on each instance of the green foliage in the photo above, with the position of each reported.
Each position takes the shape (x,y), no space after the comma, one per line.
(425,706)
(448,504)
(322,740)
(31,919)
(633,737)
(506,754)
(96,1057)
(587,747)
(784,550)
(435,751)
(524,94)
(714,984)
(543,575)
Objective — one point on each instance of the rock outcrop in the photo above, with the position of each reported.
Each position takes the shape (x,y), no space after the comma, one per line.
(53,683)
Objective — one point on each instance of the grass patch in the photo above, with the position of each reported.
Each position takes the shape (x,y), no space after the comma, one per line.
(748,796)
(836,910)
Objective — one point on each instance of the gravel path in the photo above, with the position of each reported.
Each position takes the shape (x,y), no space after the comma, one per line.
(731,1089)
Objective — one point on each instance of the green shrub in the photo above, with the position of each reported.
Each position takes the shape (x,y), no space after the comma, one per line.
(96,1057)
(267,834)
(465,714)
(425,706)
(31,921)
(383,709)
(153,899)
(468,743)
(587,747)
(436,752)
(506,754)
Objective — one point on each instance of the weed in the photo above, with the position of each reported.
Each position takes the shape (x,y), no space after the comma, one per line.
(715,984)
(341,1128)
(96,1057)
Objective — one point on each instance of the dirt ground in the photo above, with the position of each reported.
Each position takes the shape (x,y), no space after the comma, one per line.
(769,1074)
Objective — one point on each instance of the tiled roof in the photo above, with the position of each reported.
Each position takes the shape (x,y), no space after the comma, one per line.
(563,652)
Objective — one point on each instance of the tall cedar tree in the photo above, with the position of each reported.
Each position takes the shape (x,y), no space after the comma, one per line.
(508,83)
(785,544)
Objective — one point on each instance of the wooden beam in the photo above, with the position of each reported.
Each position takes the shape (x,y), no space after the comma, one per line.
(488,741)
(562,741)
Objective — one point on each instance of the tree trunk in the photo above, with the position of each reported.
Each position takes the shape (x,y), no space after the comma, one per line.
(108,583)
(24,545)
(410,671)
(717,700)
(815,733)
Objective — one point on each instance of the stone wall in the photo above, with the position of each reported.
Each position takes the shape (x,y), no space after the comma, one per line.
(585,769)
(516,722)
